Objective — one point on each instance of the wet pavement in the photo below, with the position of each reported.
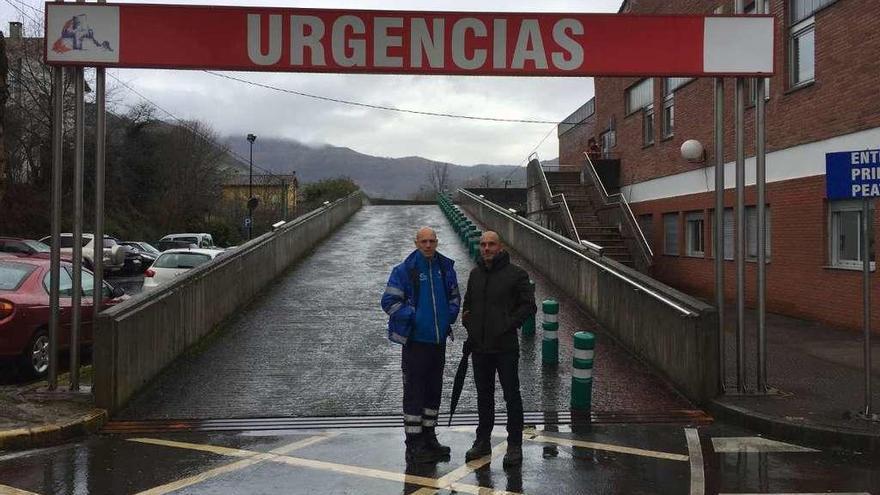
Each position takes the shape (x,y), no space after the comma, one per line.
(602,459)
(314,344)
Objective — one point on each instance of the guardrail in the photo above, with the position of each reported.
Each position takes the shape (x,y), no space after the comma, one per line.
(670,330)
(139,337)
(559,202)
(625,211)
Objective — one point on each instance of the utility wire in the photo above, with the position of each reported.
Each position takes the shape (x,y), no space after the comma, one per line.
(383,107)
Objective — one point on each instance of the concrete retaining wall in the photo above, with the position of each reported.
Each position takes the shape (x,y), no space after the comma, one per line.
(138,338)
(675,333)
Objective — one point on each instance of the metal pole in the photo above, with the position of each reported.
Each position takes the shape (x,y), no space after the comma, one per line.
(740,226)
(100,158)
(719,229)
(76,291)
(761,185)
(866,290)
(55,256)
(250,189)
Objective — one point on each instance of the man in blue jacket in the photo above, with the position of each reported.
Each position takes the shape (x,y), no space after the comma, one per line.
(422,302)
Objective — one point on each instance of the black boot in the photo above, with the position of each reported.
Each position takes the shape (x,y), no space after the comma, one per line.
(514,455)
(434,445)
(481,448)
(418,452)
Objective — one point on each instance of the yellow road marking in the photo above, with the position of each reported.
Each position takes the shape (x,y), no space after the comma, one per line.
(322,465)
(8,490)
(251,459)
(610,448)
(473,465)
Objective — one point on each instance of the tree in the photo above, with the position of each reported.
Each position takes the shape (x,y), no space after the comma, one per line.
(438,177)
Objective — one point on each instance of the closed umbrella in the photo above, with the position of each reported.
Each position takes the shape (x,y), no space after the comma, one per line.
(458,383)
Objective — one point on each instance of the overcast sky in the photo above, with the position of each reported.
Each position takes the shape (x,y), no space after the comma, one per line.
(236,109)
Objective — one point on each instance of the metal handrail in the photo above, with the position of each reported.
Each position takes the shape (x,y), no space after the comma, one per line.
(630,281)
(646,248)
(551,197)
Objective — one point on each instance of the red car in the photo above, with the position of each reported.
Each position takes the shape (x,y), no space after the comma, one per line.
(24,310)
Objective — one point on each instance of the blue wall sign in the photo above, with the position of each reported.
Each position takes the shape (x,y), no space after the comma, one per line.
(852,174)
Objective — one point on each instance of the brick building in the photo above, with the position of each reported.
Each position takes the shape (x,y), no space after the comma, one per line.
(824,97)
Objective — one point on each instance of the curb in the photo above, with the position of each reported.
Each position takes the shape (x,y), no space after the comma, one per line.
(54,433)
(810,434)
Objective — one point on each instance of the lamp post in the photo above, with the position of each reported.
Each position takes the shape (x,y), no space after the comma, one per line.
(250,204)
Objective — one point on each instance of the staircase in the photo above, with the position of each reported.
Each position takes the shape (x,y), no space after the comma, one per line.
(583,212)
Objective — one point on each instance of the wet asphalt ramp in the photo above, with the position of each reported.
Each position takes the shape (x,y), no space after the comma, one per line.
(314,343)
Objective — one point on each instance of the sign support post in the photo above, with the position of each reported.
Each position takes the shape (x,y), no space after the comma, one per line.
(866,294)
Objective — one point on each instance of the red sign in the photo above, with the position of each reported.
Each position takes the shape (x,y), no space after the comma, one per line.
(393,42)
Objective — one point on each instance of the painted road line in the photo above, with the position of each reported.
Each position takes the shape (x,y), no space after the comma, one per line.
(731,445)
(473,465)
(610,448)
(254,458)
(695,452)
(8,490)
(323,466)
(799,493)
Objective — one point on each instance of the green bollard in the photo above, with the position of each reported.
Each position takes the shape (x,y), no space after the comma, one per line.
(550,342)
(528,326)
(582,371)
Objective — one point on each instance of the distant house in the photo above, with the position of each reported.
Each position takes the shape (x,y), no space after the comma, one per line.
(276,192)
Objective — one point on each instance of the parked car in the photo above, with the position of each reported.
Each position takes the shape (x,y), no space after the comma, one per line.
(139,256)
(24,310)
(23,246)
(201,240)
(114,254)
(174,262)
(167,244)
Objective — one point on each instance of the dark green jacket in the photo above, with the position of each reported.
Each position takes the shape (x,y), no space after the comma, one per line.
(497,301)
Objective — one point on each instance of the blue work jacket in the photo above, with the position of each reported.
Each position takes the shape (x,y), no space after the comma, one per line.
(422,299)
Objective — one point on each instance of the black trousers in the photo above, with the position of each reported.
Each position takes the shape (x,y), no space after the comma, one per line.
(506,365)
(422,366)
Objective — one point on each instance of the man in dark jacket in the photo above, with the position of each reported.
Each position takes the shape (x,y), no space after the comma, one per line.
(422,302)
(498,299)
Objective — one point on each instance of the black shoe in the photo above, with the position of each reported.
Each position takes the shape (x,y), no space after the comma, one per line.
(481,448)
(433,445)
(514,456)
(419,454)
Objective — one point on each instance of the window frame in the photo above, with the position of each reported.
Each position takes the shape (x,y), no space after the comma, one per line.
(648,127)
(795,33)
(752,232)
(695,223)
(835,208)
(666,234)
(648,83)
(667,117)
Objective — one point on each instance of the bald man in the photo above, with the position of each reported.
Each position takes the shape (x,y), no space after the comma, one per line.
(422,302)
(499,298)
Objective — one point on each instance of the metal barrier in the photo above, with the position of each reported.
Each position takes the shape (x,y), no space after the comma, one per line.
(139,337)
(672,331)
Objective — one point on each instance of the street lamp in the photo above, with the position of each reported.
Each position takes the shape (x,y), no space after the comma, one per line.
(250,204)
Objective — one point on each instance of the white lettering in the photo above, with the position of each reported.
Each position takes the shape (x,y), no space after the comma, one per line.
(529,36)
(499,44)
(254,39)
(574,49)
(358,48)
(854,158)
(421,41)
(299,40)
(382,41)
(865,158)
(855,190)
(856,172)
(459,30)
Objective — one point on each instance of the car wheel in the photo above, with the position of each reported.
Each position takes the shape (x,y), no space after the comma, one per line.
(35,360)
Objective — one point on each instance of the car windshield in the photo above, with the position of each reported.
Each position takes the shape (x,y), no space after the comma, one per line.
(181,260)
(12,274)
(38,246)
(191,240)
(146,246)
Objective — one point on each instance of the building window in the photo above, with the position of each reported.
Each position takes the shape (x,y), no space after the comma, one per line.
(801,9)
(639,95)
(696,241)
(802,52)
(646,223)
(752,232)
(846,234)
(670,234)
(648,125)
(609,140)
(668,122)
